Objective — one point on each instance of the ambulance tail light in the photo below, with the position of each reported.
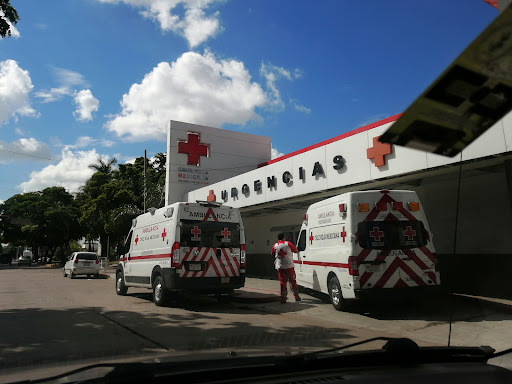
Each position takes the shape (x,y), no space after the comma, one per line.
(414,206)
(343,208)
(242,258)
(363,207)
(175,254)
(353,266)
(305,218)
(97,261)
(76,260)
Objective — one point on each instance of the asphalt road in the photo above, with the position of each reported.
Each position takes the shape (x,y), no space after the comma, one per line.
(46,320)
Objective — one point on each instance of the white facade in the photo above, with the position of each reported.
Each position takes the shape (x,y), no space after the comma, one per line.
(198,155)
(357,168)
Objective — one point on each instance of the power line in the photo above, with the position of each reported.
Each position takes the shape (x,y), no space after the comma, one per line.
(25,154)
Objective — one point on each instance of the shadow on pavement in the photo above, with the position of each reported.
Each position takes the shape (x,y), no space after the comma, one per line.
(36,336)
(209,304)
(459,308)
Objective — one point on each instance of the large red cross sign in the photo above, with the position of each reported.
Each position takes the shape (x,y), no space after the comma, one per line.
(193,148)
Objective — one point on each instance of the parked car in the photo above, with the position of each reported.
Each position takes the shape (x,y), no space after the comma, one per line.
(25,260)
(82,263)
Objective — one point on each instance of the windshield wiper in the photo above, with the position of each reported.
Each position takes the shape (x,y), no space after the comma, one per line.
(406,350)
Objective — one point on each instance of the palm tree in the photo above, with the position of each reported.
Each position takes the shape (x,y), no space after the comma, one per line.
(106,167)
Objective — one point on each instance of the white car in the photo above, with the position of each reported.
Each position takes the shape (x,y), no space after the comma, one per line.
(82,263)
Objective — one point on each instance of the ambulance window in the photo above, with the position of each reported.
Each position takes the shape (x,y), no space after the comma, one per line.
(209,234)
(128,242)
(301,245)
(392,234)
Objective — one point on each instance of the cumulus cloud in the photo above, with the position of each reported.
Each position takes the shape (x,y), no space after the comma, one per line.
(87,141)
(67,81)
(274,153)
(195,88)
(15,87)
(25,149)
(71,172)
(86,104)
(194,25)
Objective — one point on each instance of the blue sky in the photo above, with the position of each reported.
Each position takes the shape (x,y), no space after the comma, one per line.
(87,78)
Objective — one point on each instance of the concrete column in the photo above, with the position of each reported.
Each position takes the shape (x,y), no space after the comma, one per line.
(508,175)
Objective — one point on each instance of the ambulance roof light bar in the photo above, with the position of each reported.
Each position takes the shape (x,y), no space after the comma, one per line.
(209,204)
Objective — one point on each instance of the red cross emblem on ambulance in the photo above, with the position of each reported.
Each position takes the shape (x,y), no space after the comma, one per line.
(195,231)
(376,234)
(193,148)
(225,233)
(409,232)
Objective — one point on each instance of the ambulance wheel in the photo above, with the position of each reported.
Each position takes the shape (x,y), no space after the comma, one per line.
(159,292)
(65,274)
(337,300)
(121,289)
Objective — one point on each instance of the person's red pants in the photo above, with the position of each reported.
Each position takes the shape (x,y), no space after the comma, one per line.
(285,276)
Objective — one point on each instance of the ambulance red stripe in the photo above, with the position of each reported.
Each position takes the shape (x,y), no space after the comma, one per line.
(201,259)
(145,257)
(228,260)
(323,264)
(218,261)
(185,273)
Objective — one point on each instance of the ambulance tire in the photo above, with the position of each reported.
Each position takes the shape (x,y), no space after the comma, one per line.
(337,300)
(121,288)
(160,295)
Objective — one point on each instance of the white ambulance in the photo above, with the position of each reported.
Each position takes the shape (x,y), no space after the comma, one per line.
(196,247)
(366,244)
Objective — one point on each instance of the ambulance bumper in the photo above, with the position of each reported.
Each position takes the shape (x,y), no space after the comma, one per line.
(397,293)
(173,282)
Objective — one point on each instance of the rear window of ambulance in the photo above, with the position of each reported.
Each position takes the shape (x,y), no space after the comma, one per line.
(86,256)
(391,234)
(209,234)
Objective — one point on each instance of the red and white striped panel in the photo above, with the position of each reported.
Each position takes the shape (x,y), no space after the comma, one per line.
(223,266)
(395,272)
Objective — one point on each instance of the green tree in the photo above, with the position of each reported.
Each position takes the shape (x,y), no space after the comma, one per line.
(7,14)
(46,218)
(111,198)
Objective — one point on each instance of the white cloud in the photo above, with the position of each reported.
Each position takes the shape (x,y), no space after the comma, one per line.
(25,149)
(15,87)
(195,25)
(87,141)
(272,73)
(71,172)
(195,88)
(299,107)
(274,153)
(86,104)
(14,32)
(67,80)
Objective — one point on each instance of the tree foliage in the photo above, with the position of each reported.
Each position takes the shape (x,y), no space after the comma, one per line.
(47,218)
(112,198)
(103,209)
(7,14)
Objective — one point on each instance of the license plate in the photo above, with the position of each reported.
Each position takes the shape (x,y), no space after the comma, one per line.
(224,280)
(86,263)
(373,268)
(194,267)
